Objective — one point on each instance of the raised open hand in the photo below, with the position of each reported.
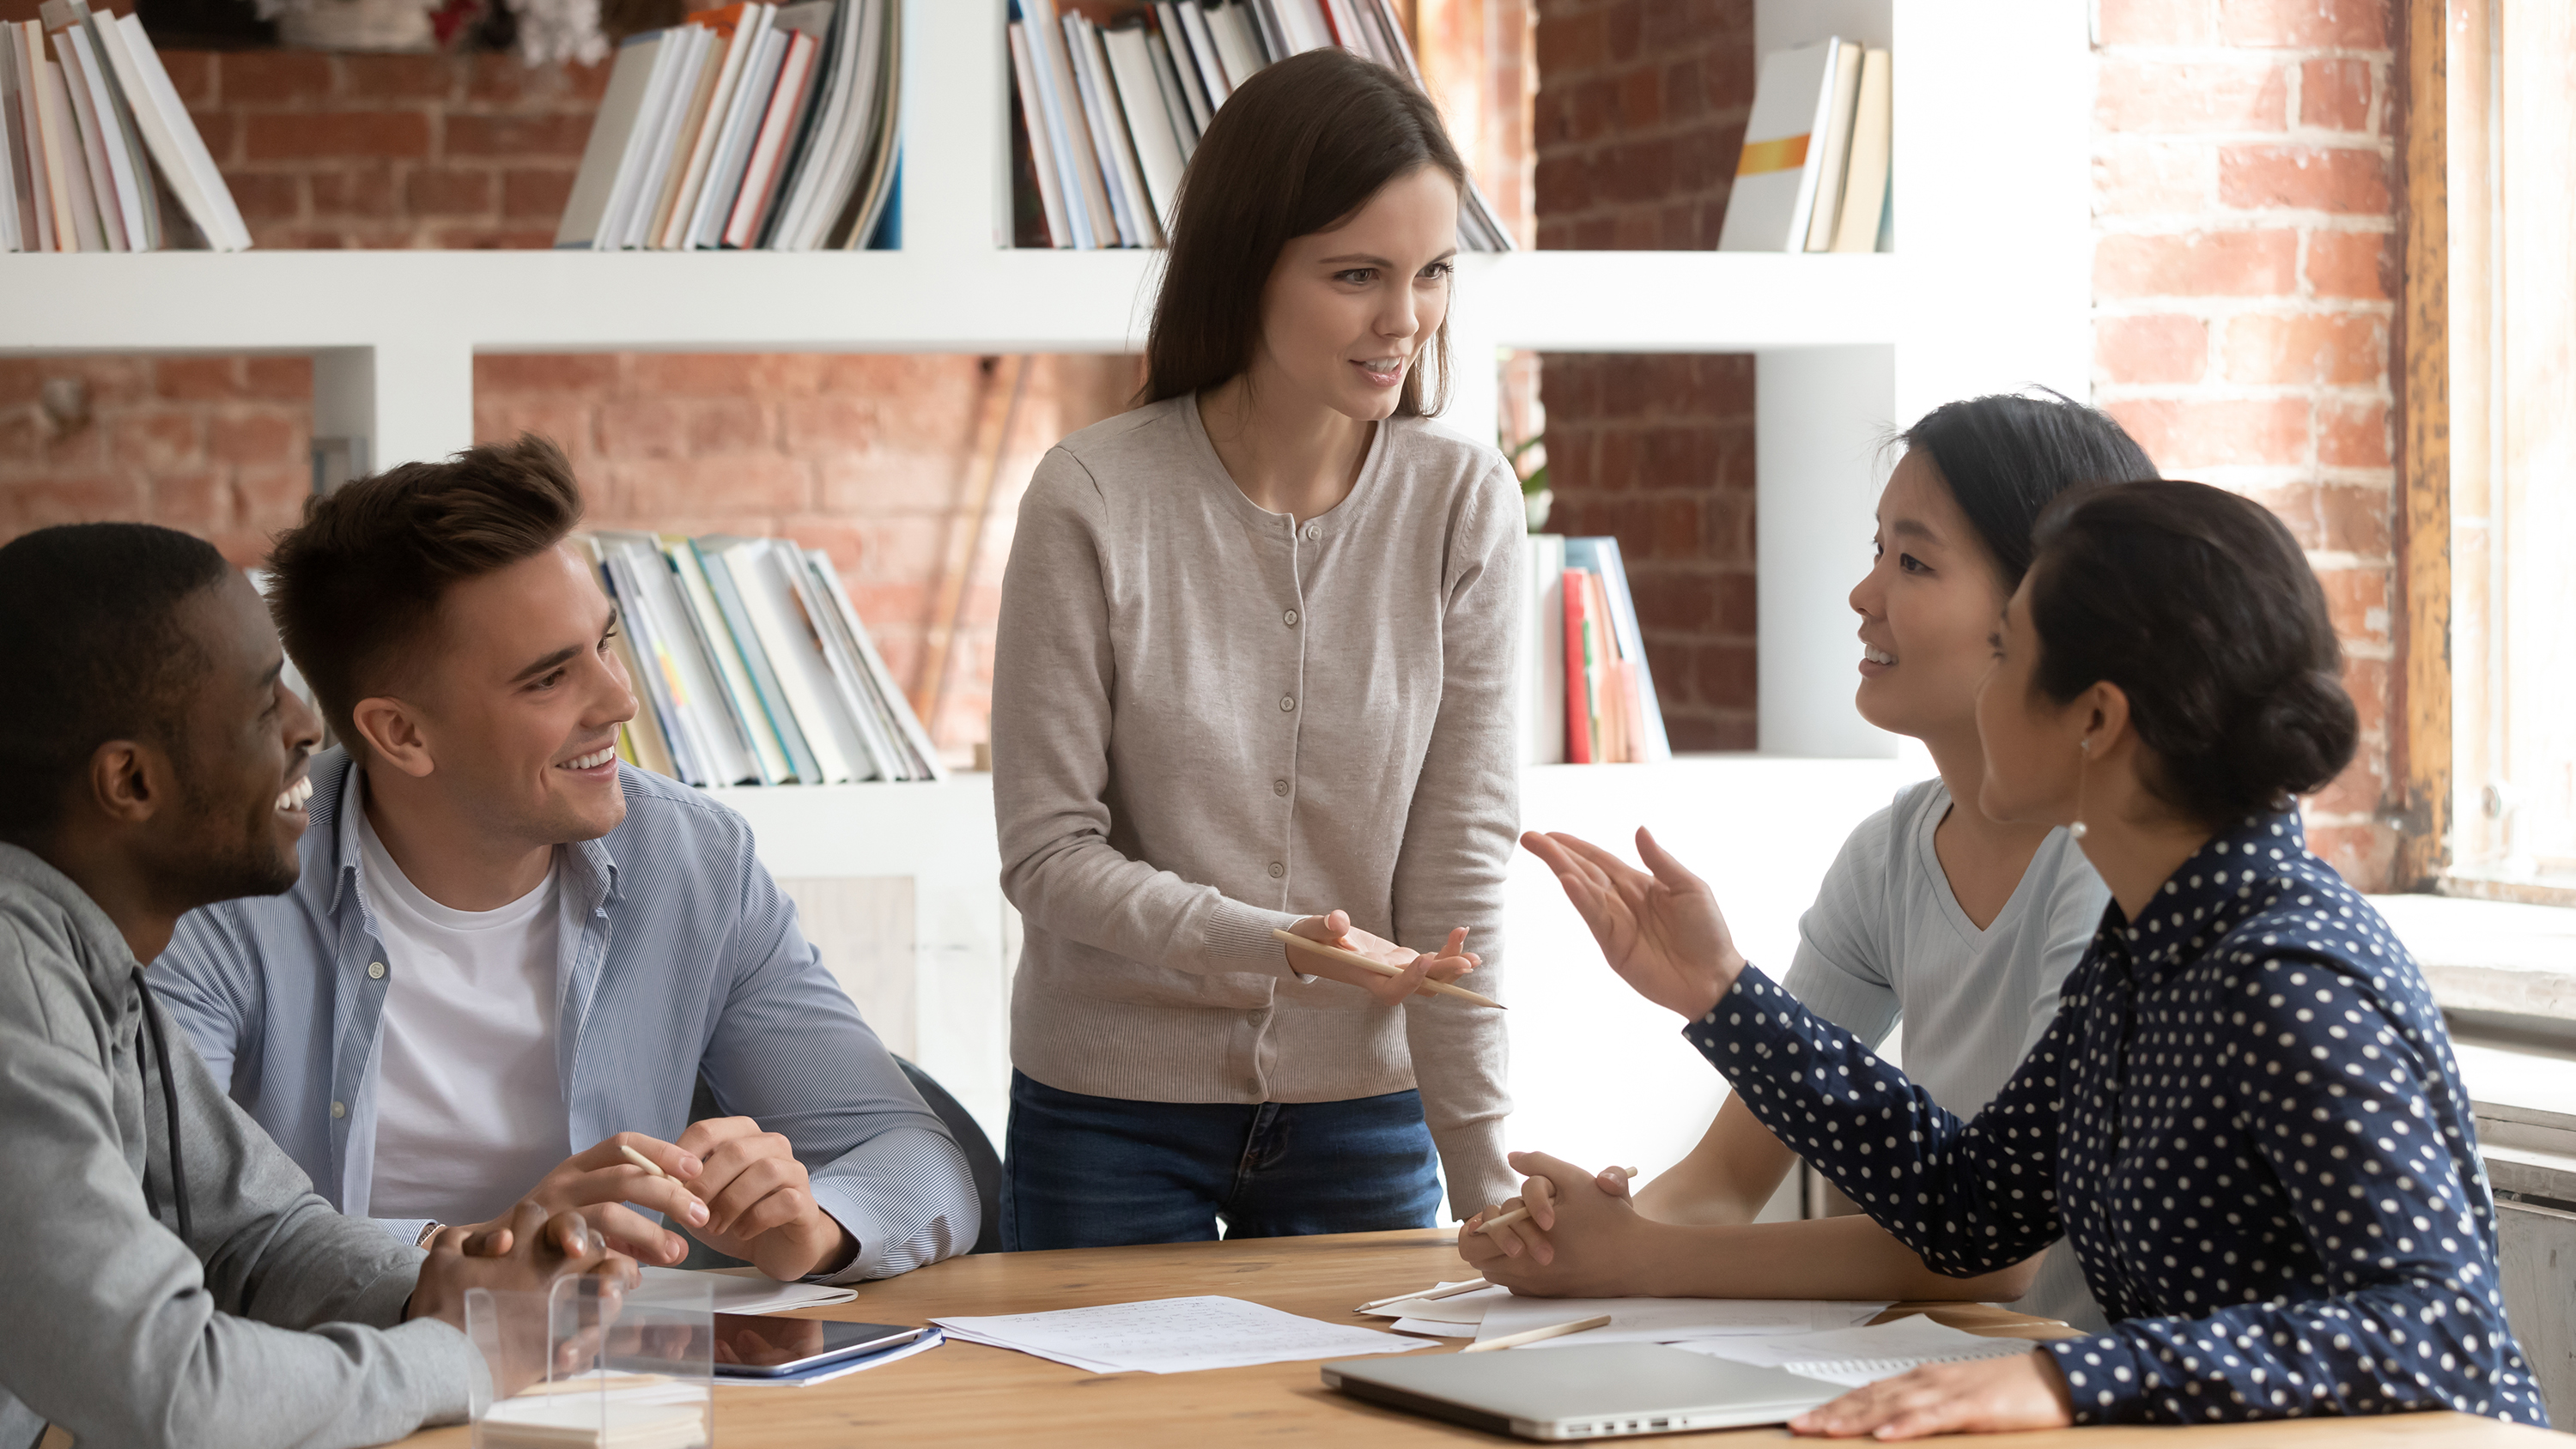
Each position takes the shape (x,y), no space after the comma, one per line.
(1662,933)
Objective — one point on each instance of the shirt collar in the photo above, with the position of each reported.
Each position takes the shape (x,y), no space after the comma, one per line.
(593,875)
(2209,894)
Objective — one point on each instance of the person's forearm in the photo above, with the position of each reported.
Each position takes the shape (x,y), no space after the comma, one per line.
(1843,1258)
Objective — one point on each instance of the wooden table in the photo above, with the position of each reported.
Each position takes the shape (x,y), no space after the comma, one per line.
(967,1394)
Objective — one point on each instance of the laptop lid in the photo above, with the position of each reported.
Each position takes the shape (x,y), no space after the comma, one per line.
(1587,1391)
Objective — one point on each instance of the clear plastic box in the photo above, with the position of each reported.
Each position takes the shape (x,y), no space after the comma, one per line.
(592,1365)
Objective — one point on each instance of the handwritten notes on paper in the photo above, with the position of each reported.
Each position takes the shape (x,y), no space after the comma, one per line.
(1172,1335)
(1855,1356)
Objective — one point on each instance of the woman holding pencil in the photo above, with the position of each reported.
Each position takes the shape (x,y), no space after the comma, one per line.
(1253,677)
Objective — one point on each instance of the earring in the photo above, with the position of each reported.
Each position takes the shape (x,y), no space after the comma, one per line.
(2084,748)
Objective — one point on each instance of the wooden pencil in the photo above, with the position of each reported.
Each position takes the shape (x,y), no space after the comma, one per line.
(1425,1297)
(1539,1335)
(1371,963)
(642,1161)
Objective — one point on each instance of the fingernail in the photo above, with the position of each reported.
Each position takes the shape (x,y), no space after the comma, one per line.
(689,1165)
(697,1212)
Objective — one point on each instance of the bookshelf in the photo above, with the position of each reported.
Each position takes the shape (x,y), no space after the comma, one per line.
(1988,289)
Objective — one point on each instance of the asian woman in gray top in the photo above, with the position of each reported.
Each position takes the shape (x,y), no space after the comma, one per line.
(1254,673)
(1959,925)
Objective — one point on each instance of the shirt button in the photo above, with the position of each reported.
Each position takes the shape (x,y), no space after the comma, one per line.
(1277,870)
(1287,701)
(1289,618)
(339,1110)
(375,971)
(1278,787)
(1314,531)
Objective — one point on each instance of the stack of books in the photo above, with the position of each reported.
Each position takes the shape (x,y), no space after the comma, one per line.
(1588,697)
(1814,173)
(753,126)
(1108,118)
(751,667)
(101,156)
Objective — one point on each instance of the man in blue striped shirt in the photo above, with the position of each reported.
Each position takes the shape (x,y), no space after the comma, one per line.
(510,959)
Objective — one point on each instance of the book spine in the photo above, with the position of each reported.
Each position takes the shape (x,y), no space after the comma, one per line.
(764,676)
(1088,81)
(898,707)
(1041,152)
(733,677)
(760,175)
(221,221)
(1578,704)
(657,680)
(93,143)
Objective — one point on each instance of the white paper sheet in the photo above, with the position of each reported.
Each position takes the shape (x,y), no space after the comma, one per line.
(1172,1335)
(1855,1356)
(1432,1328)
(1466,1308)
(1669,1320)
(748,1290)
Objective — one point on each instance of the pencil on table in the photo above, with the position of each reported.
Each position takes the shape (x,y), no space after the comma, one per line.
(1449,1292)
(1515,1215)
(1371,963)
(1539,1335)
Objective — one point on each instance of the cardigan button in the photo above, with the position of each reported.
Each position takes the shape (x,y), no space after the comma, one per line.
(1277,870)
(1287,702)
(1278,787)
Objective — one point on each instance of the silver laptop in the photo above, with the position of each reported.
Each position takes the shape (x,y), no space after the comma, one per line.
(1591,1391)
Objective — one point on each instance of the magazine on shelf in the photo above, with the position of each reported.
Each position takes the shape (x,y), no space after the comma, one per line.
(1814,172)
(752,126)
(91,130)
(1587,692)
(1113,116)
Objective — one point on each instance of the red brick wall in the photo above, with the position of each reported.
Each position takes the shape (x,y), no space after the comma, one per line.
(2243,274)
(392,150)
(1639,113)
(864,456)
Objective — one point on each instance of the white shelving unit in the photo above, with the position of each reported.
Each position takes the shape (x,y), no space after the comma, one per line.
(1988,290)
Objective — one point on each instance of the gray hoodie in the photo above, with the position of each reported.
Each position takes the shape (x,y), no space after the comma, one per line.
(250,1314)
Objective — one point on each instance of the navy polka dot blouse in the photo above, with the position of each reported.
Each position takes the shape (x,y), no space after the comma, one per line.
(2246,1119)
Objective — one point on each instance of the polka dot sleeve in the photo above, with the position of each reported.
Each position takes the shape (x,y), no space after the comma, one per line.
(1970,1197)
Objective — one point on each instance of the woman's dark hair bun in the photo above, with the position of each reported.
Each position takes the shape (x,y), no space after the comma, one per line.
(2201,607)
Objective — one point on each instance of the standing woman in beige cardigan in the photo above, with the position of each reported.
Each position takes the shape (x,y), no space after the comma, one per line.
(1254,672)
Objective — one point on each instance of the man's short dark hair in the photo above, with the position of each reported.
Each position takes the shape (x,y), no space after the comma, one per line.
(94,648)
(358,583)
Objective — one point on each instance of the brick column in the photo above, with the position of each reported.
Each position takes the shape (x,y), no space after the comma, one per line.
(2244,268)
(1640,112)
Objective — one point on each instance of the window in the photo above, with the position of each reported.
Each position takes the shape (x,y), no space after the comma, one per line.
(2511,214)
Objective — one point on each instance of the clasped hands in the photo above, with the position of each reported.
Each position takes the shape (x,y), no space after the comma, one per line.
(734,1187)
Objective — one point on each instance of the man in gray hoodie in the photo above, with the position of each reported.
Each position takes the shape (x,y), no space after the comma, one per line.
(170,1277)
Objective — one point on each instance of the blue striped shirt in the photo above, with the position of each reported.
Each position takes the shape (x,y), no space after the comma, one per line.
(688,963)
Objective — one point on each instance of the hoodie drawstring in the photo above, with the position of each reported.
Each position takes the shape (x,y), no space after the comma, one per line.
(169,1114)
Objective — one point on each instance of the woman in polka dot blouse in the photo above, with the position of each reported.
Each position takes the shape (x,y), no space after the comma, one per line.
(2246,1119)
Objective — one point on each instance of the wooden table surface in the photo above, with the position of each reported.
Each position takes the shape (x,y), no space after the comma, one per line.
(967,1394)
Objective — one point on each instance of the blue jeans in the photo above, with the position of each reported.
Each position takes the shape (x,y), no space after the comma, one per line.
(1099,1172)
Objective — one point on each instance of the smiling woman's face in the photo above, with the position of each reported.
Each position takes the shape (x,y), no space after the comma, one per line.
(1348,312)
(1926,608)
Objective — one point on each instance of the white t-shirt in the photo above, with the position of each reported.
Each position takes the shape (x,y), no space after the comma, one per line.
(1886,940)
(469,1110)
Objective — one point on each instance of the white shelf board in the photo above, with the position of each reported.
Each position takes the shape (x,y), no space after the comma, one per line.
(982,301)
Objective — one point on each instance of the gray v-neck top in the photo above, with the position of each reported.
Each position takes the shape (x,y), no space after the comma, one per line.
(1886,939)
(1210,720)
